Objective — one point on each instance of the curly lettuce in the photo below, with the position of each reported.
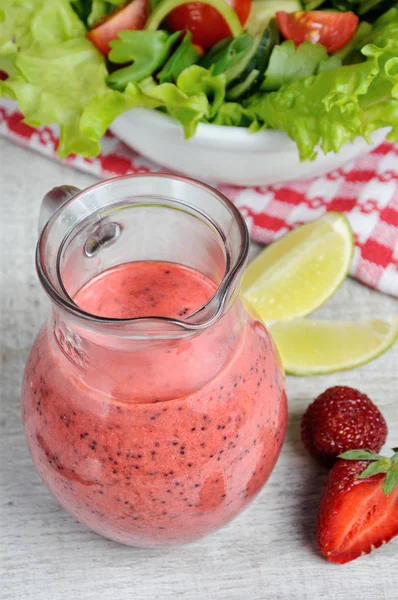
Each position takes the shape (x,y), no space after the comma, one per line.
(196,96)
(334,107)
(54,71)
(58,76)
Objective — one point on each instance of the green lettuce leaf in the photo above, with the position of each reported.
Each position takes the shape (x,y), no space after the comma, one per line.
(232,114)
(288,63)
(197,81)
(184,56)
(380,105)
(196,96)
(58,76)
(55,85)
(55,71)
(101,111)
(334,107)
(23,22)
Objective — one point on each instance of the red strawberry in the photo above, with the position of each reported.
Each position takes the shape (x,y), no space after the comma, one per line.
(359,507)
(341,419)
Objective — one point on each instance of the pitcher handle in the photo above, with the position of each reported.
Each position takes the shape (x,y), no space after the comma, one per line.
(53,200)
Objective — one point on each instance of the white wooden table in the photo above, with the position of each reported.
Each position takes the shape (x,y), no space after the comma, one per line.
(268,553)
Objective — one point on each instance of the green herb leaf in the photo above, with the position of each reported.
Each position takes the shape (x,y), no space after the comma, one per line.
(288,63)
(148,50)
(227,53)
(185,56)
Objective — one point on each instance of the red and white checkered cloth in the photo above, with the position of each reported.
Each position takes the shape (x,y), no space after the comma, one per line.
(366,191)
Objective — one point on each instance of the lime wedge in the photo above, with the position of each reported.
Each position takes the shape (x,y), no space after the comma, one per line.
(299,272)
(314,347)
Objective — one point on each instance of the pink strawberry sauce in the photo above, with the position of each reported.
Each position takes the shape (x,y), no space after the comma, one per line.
(180,444)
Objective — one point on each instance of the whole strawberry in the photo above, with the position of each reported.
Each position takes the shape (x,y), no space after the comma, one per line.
(341,419)
(359,507)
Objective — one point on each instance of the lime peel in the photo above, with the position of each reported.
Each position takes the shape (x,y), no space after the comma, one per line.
(315,347)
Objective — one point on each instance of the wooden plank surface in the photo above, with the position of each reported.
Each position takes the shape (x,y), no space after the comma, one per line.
(268,553)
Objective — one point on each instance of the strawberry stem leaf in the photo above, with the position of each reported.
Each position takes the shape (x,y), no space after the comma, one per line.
(360,455)
(391,480)
(378,466)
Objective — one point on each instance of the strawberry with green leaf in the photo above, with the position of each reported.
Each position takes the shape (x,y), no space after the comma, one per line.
(341,419)
(359,507)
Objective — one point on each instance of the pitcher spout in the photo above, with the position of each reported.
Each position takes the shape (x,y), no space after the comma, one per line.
(153,217)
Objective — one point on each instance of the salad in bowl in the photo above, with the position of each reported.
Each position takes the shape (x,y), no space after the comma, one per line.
(322,72)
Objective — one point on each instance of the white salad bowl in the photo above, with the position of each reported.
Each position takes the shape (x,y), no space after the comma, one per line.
(229,155)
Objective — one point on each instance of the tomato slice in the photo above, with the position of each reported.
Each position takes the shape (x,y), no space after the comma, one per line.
(331,29)
(204,22)
(131,16)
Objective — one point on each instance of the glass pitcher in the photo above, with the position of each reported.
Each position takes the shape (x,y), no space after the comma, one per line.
(160,428)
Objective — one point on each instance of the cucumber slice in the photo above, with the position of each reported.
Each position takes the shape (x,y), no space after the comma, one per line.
(227,53)
(262,11)
(241,68)
(269,39)
(252,69)
(243,59)
(244,87)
